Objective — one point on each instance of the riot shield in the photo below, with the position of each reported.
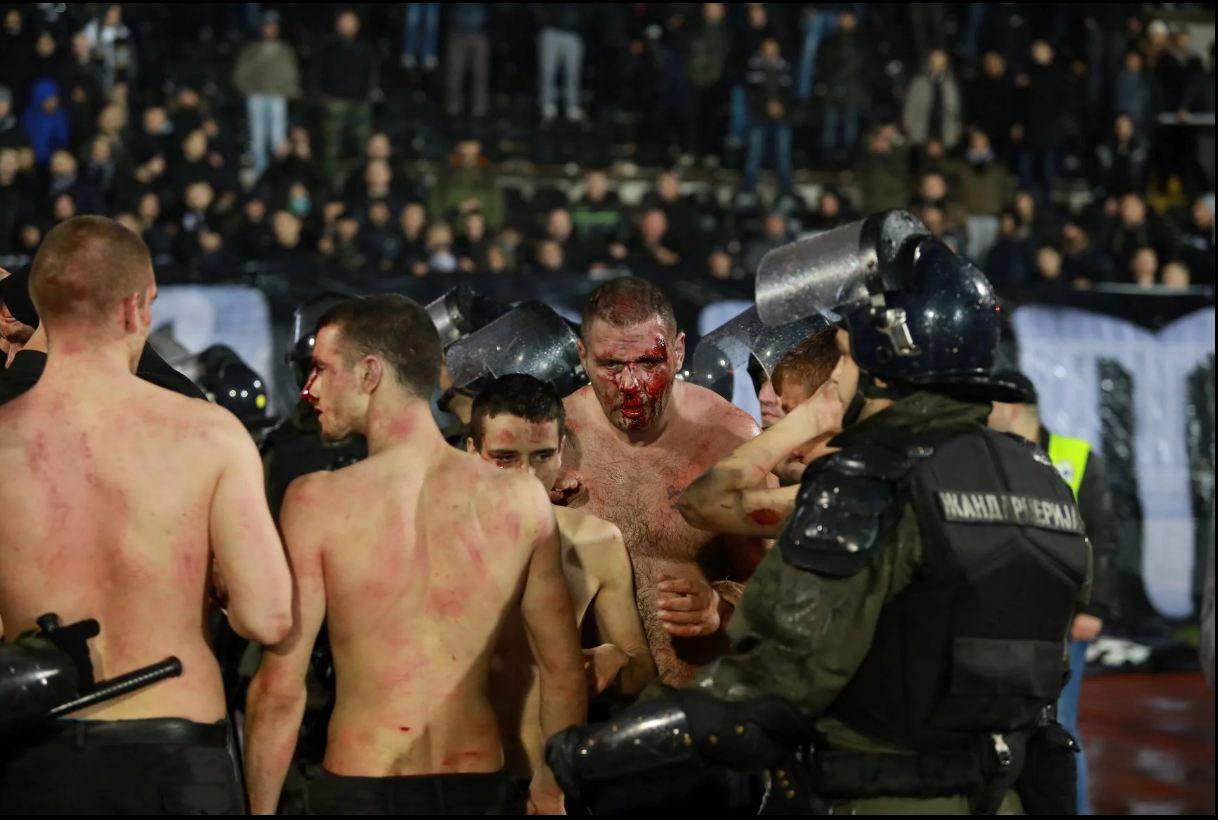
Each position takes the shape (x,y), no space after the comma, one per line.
(729,347)
(531,338)
(834,270)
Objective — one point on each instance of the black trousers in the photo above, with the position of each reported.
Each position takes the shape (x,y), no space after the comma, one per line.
(158,766)
(498,793)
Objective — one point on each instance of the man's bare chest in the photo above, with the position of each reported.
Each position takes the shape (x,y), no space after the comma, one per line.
(637,491)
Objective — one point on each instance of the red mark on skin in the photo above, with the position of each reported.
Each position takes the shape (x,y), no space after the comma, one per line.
(453,759)
(449,603)
(764,517)
(403,728)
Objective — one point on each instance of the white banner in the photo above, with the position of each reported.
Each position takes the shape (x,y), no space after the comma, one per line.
(1060,350)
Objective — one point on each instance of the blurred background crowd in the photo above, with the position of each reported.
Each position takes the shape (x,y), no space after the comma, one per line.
(1060,146)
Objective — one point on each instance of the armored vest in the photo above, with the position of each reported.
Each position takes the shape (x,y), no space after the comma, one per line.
(975,644)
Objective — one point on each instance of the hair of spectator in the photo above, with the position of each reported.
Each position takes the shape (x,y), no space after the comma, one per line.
(628,300)
(808,364)
(84,269)
(516,394)
(396,329)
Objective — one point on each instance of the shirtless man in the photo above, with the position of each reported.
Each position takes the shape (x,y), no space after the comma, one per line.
(120,494)
(638,437)
(415,557)
(730,497)
(517,424)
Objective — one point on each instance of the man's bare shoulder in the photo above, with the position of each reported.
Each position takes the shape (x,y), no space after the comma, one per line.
(582,404)
(706,407)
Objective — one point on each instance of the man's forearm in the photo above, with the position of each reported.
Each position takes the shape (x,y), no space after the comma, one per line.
(272,724)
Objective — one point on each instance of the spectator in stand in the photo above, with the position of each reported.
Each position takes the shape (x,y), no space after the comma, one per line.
(1136,227)
(473,243)
(112,124)
(468,51)
(684,232)
(421,36)
(774,234)
(1134,94)
(253,237)
(348,73)
(550,260)
(344,250)
(1050,282)
(560,228)
(267,75)
(16,209)
(45,122)
(195,163)
(748,40)
(990,102)
(816,23)
(1143,268)
(381,238)
(64,179)
(560,45)
(83,84)
(10,130)
(1041,127)
(706,62)
(769,84)
(982,182)
(46,61)
(438,246)
(102,171)
(1010,263)
(648,251)
(831,211)
(1176,276)
(1106,25)
(378,187)
(932,104)
(288,254)
(884,170)
(598,214)
(723,266)
(154,137)
(1039,222)
(1121,160)
(467,185)
(1082,262)
(152,230)
(111,41)
(933,192)
(295,161)
(1196,243)
(413,222)
(842,68)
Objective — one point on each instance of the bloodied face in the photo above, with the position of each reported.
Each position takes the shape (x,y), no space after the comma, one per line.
(333,388)
(515,443)
(632,369)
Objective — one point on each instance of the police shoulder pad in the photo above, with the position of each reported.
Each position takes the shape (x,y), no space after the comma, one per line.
(845,505)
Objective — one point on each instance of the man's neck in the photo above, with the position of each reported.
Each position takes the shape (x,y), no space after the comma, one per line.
(397,420)
(78,360)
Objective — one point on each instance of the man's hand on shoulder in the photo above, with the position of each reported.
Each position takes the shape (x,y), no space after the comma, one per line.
(569,487)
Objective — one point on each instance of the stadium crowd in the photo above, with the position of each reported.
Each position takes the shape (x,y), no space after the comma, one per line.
(1050,143)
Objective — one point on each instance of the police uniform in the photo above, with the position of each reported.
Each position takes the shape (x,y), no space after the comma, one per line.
(909,628)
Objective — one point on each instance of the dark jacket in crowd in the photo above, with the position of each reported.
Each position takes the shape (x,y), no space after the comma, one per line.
(707,53)
(990,105)
(1045,102)
(841,65)
(766,81)
(347,69)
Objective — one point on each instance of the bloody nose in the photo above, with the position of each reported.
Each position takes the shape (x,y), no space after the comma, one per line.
(306,396)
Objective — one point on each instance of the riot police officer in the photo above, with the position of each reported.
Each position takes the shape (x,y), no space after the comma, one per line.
(908,629)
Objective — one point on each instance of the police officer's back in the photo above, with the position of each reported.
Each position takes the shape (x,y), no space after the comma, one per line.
(910,623)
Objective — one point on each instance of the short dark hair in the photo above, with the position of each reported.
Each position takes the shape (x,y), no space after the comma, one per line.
(520,395)
(395,328)
(85,267)
(809,363)
(626,301)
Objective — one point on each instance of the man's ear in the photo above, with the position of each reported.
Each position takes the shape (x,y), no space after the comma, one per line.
(372,371)
(678,350)
(583,352)
(469,446)
(132,313)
